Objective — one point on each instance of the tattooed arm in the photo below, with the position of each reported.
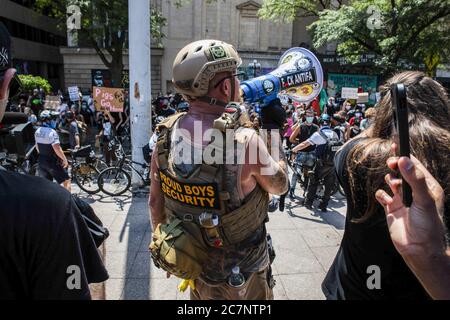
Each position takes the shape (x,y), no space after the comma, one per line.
(270,169)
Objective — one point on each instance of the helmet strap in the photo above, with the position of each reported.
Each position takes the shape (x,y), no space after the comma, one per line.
(212,101)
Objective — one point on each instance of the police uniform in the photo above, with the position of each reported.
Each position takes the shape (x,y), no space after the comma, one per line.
(322,170)
(49,163)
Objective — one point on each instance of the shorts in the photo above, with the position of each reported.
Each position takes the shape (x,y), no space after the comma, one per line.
(307,158)
(255,288)
(50,171)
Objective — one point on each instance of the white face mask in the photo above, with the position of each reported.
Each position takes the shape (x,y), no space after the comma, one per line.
(3,104)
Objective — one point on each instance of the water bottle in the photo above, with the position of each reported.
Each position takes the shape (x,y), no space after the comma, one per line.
(236,278)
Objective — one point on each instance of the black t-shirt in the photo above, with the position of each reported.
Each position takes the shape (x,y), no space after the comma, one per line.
(307,131)
(43,242)
(363,245)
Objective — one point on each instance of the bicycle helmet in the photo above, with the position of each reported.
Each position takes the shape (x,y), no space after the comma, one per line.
(324,119)
(197,64)
(183,106)
(45,115)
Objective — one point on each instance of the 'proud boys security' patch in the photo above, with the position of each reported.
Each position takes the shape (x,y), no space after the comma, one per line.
(201,195)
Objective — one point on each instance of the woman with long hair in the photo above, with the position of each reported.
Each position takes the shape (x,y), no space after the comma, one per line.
(367,266)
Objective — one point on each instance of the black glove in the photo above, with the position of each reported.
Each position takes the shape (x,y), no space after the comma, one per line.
(273,116)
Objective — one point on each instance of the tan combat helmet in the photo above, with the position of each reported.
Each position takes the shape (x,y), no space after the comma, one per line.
(197,64)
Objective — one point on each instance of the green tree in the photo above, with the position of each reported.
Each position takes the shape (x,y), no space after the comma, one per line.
(288,10)
(402,33)
(30,82)
(104,26)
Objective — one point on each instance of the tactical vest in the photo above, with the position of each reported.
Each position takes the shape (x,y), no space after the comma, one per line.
(205,198)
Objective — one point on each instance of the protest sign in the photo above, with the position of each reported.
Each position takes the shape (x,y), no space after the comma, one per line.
(51,102)
(110,99)
(349,93)
(363,97)
(74,93)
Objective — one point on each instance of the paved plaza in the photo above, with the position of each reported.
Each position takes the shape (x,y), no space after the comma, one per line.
(306,243)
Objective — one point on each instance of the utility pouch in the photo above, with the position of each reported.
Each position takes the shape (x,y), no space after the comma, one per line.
(178,248)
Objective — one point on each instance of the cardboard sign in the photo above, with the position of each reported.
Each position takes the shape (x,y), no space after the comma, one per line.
(200,195)
(74,93)
(52,102)
(349,93)
(363,97)
(110,99)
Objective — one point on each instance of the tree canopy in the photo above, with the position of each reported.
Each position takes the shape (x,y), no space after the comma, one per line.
(103,26)
(402,33)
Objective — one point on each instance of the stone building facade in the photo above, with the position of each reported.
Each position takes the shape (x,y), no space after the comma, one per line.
(233,21)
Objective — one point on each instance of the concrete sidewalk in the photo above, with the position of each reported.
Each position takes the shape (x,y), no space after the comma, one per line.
(306,243)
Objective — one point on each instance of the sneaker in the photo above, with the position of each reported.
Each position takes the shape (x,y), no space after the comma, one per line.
(323,209)
(308,206)
(291,195)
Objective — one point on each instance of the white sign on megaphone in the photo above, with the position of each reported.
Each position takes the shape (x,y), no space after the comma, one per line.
(301,75)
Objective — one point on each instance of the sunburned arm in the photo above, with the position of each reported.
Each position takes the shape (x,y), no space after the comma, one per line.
(156,199)
(269,171)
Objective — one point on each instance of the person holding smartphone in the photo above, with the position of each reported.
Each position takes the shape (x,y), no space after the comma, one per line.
(418,231)
(367,265)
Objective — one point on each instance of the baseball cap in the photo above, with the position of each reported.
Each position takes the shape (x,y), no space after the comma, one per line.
(5,50)
(6,60)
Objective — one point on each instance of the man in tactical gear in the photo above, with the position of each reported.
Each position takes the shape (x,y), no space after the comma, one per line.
(224,201)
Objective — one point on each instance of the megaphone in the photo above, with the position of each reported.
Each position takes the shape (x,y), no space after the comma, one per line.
(299,76)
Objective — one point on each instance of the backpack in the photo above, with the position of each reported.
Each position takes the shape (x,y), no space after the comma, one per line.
(327,151)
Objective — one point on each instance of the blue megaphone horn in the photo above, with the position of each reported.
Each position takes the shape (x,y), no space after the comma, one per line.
(299,76)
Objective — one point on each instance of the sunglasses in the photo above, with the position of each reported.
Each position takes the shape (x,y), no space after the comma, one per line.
(229,77)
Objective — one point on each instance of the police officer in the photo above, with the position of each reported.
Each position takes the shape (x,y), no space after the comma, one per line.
(325,140)
(52,160)
(307,157)
(204,72)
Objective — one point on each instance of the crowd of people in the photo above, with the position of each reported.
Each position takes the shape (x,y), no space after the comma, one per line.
(226,248)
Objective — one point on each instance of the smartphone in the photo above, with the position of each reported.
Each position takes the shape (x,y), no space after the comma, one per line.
(400,106)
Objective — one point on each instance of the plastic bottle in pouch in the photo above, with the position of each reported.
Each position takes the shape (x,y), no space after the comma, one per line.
(236,278)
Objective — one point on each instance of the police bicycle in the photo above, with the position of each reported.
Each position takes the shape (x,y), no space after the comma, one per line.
(86,168)
(24,165)
(304,174)
(116,180)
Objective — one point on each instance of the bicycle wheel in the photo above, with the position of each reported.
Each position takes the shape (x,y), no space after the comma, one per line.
(100,165)
(86,177)
(114,181)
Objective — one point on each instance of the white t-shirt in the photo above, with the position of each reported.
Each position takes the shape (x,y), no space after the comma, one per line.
(107,129)
(45,135)
(317,139)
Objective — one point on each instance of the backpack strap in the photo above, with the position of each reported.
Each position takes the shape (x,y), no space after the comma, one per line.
(163,142)
(323,135)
